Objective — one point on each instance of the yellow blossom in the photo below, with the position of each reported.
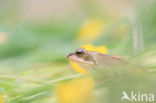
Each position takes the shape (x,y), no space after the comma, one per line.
(77,91)
(1,99)
(90,47)
(78,68)
(100,49)
(90,30)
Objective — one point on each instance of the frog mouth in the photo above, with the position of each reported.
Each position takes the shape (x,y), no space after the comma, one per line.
(70,58)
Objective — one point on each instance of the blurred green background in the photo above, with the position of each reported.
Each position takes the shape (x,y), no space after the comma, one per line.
(37,35)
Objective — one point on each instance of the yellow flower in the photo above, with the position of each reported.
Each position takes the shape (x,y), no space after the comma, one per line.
(90,47)
(78,68)
(77,91)
(100,49)
(90,30)
(1,99)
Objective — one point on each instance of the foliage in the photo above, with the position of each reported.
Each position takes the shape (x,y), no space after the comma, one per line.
(33,54)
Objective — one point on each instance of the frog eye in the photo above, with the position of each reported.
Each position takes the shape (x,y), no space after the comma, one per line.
(80,52)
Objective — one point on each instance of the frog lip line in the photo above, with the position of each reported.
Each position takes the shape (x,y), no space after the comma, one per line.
(71,59)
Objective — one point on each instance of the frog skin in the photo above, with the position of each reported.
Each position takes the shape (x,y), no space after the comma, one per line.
(92,59)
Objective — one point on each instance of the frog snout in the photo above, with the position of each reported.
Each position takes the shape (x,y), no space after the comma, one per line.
(70,55)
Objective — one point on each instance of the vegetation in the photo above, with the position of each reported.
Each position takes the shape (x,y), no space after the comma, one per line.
(33,54)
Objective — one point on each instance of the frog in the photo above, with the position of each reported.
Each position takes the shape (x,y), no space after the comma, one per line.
(104,67)
(94,60)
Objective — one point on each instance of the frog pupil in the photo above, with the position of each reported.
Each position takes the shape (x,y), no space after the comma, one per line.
(79,53)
